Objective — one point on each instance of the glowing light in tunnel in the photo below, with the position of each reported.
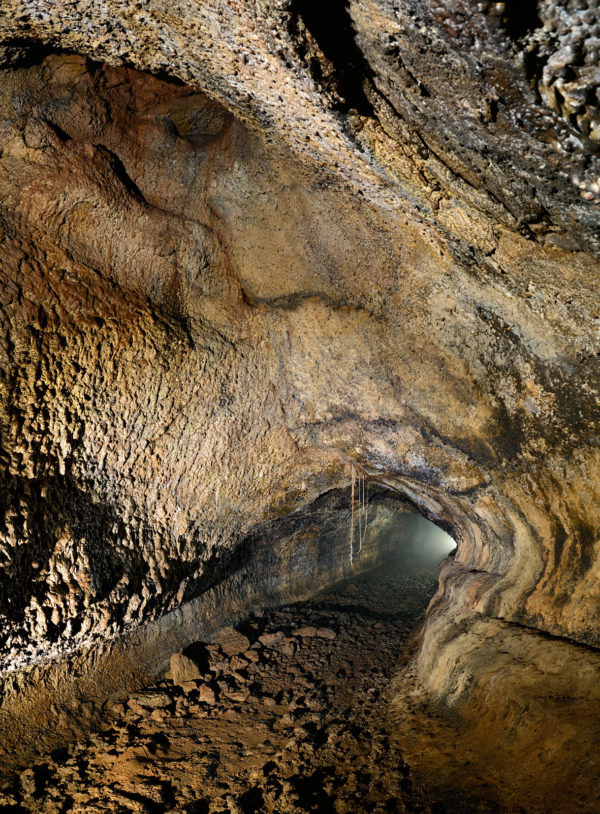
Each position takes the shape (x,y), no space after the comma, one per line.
(421,541)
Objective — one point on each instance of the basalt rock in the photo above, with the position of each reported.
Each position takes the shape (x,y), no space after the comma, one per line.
(252,253)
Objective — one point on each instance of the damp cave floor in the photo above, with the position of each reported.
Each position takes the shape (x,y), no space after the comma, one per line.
(291,716)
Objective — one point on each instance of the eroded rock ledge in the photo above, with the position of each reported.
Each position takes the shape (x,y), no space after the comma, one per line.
(220,297)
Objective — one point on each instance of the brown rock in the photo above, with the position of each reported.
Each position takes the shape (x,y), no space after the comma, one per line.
(183,669)
(150,700)
(238,662)
(286,648)
(239,695)
(326,633)
(305,632)
(135,707)
(28,783)
(271,639)
(189,686)
(206,695)
(218,664)
(230,641)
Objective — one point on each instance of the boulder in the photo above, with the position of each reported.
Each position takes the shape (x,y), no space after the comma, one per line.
(231,641)
(184,669)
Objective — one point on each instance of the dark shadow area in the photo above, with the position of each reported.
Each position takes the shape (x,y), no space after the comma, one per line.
(331,27)
(520,18)
(23,53)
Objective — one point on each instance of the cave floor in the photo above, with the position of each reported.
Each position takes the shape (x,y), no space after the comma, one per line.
(291,716)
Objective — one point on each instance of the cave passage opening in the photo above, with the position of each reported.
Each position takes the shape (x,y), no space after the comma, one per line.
(400,577)
(393,532)
(420,542)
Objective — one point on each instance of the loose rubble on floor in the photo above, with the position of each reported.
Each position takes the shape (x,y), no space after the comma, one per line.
(285,712)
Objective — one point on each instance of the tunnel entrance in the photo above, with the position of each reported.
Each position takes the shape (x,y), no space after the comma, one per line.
(402,580)
(422,542)
(288,709)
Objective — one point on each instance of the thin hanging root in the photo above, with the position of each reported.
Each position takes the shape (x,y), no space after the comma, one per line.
(366,506)
(360,530)
(363,509)
(352,519)
(362,519)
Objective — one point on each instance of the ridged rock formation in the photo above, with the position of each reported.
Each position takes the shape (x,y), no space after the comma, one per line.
(251,250)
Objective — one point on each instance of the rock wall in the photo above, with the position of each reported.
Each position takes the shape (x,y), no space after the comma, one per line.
(311,244)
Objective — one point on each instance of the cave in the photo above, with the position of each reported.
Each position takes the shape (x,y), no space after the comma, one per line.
(299,406)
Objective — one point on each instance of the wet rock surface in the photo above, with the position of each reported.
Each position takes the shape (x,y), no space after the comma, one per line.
(292,717)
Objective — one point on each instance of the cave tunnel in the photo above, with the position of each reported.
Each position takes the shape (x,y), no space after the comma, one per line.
(420,540)
(299,407)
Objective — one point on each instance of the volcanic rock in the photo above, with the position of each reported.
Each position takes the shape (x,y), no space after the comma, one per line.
(231,642)
(184,669)
(255,259)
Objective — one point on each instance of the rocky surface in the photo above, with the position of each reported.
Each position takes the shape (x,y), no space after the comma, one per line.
(316,707)
(52,703)
(288,715)
(252,253)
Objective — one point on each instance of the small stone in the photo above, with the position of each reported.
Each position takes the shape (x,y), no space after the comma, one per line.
(268,701)
(238,662)
(271,639)
(188,686)
(219,665)
(135,707)
(158,715)
(326,633)
(28,782)
(287,648)
(305,632)
(206,695)
(150,700)
(240,695)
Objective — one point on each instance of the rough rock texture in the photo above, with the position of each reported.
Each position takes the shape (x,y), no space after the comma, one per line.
(359,241)
(293,723)
(53,702)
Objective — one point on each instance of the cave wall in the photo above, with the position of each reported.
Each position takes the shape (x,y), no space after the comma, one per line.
(308,243)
